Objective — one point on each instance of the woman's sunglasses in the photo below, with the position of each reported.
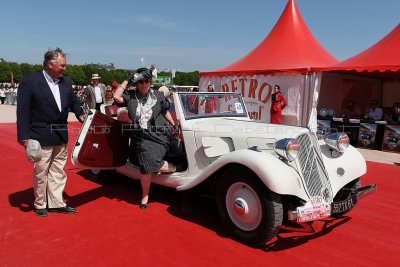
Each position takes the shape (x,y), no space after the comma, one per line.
(144,81)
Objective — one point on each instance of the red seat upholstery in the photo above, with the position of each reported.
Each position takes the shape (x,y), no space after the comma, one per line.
(111,110)
(123,116)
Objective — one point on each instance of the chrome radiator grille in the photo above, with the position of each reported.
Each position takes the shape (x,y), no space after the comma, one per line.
(312,168)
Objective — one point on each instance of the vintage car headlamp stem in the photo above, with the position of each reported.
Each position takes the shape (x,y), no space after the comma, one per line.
(287,148)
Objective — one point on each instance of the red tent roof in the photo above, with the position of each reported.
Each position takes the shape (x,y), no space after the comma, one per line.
(382,56)
(290,47)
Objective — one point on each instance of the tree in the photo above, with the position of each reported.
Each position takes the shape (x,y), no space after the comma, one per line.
(118,75)
(5,72)
(76,74)
(81,74)
(37,67)
(16,70)
(26,69)
(193,78)
(186,78)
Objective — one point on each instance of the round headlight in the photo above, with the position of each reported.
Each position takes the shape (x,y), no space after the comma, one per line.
(338,141)
(323,112)
(287,148)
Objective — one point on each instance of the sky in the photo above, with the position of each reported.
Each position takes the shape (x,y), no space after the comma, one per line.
(176,34)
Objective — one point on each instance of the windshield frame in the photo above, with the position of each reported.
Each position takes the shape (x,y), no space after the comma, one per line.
(212,115)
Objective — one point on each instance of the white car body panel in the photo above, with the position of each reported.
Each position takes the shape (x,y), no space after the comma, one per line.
(351,161)
(212,143)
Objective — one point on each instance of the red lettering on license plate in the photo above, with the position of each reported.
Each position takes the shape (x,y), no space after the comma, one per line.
(315,209)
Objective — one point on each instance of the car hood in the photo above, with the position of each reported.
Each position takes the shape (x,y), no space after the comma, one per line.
(238,127)
(242,133)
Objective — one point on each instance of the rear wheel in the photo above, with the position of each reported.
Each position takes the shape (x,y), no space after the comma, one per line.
(249,212)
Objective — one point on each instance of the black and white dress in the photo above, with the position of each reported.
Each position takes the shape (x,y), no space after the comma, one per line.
(151,133)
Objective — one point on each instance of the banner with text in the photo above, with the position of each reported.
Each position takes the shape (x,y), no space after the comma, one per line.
(257,91)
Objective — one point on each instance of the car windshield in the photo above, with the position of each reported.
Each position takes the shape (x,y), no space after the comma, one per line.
(203,104)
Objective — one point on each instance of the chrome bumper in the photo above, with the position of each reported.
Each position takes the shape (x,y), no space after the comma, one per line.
(342,206)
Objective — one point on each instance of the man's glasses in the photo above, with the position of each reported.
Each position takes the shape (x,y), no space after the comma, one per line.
(144,81)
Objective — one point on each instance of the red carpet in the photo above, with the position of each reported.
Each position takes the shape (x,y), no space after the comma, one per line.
(110,229)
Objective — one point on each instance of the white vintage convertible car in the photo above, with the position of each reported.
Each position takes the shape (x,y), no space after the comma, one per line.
(260,174)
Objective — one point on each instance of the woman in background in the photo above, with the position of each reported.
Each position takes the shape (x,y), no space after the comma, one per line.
(210,102)
(277,105)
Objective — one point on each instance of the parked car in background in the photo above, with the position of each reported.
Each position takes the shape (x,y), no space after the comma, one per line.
(261,175)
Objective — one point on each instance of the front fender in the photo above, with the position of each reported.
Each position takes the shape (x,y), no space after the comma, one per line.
(349,166)
(275,174)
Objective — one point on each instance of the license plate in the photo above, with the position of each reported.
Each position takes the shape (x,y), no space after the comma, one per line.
(316,208)
(344,205)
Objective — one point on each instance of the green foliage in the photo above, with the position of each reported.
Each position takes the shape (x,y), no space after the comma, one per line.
(76,74)
(26,69)
(165,73)
(81,74)
(5,72)
(187,78)
(15,68)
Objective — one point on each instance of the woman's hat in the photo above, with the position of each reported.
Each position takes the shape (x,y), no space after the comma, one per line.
(141,74)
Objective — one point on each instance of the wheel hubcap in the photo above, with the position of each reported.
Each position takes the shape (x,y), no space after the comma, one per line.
(240,206)
(243,206)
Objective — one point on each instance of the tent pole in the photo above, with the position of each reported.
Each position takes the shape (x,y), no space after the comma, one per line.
(306,101)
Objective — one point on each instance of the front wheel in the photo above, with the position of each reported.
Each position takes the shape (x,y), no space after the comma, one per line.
(249,212)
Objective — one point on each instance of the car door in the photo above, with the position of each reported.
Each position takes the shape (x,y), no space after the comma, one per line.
(103,143)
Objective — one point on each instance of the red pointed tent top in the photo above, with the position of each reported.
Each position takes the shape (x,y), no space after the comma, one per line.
(382,56)
(290,47)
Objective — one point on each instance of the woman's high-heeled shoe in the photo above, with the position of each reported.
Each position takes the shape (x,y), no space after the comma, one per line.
(143,206)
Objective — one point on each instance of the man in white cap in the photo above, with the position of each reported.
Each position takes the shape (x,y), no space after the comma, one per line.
(95,93)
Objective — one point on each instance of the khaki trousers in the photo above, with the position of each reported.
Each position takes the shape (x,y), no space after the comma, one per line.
(49,177)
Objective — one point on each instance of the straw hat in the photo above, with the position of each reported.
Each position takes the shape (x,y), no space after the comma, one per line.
(95,76)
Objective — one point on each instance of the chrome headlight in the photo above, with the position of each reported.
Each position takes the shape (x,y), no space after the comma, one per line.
(338,141)
(287,148)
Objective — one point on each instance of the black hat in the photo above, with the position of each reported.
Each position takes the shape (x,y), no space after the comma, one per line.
(141,74)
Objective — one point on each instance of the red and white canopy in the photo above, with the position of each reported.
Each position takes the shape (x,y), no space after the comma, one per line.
(382,56)
(289,47)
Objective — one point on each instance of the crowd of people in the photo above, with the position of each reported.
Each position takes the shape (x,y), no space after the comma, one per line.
(8,95)
(372,113)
